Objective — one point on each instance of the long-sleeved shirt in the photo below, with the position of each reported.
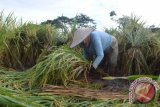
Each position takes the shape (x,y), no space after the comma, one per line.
(99,42)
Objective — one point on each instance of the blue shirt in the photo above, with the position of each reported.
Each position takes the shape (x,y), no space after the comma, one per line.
(99,42)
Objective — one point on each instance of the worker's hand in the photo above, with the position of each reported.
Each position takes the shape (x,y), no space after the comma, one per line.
(92,69)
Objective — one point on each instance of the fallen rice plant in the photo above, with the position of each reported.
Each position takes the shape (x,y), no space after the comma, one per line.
(59,67)
(14,98)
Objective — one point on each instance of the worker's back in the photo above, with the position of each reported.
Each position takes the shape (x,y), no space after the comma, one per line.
(102,38)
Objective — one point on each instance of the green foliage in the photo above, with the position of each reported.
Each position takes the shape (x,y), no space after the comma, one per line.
(23,50)
(35,46)
(60,67)
(14,98)
(64,24)
(61,22)
(22,45)
(84,21)
(139,50)
(154,53)
(132,77)
(7,30)
(133,45)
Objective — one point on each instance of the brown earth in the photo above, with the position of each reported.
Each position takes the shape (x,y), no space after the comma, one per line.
(110,90)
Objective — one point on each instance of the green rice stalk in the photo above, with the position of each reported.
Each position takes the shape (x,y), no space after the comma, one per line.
(12,98)
(134,40)
(132,77)
(15,98)
(60,67)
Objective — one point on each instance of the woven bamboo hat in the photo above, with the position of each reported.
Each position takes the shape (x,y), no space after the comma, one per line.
(79,35)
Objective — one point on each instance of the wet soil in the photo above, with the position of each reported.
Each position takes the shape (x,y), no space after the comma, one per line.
(117,85)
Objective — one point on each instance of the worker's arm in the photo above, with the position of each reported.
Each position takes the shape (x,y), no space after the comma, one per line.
(98,49)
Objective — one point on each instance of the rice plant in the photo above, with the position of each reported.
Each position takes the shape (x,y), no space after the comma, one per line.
(60,67)
(7,30)
(154,53)
(14,98)
(23,51)
(21,44)
(33,49)
(139,49)
(134,44)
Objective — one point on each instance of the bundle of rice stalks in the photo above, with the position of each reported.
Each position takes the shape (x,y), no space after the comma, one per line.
(60,67)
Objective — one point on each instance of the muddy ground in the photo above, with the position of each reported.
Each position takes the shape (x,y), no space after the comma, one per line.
(117,85)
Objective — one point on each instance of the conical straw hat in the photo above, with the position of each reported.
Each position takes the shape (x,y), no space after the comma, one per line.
(79,35)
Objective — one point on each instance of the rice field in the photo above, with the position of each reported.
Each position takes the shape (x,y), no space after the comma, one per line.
(33,56)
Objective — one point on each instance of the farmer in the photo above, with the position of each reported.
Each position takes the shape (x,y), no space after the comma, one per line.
(99,47)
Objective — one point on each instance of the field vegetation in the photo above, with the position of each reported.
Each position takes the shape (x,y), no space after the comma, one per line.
(35,55)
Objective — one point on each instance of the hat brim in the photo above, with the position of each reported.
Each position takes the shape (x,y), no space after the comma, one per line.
(77,43)
(80,35)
